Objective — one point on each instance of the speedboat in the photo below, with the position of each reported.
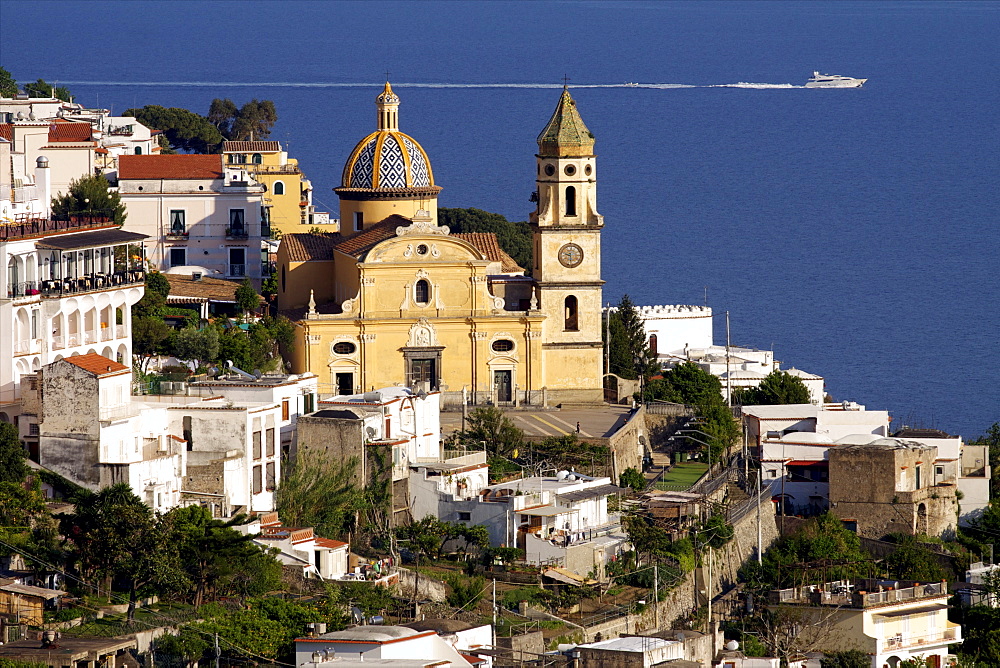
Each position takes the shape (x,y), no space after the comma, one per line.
(631,84)
(833,81)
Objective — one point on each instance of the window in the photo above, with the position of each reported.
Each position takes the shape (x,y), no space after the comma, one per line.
(178,257)
(237,159)
(256,159)
(269,442)
(237,262)
(270,477)
(772,474)
(138,150)
(503,345)
(464,517)
(570,201)
(939,470)
(257,486)
(256,444)
(279,188)
(359,221)
(422,292)
(34,324)
(178,224)
(282,278)
(284,409)
(344,348)
(186,433)
(308,403)
(388,429)
(918,477)
(572,323)
(237,221)
(33,429)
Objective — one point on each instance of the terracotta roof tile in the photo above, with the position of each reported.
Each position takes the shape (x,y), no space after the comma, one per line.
(215,289)
(306,247)
(179,166)
(361,243)
(488,245)
(332,544)
(69,132)
(99,365)
(251,146)
(7,131)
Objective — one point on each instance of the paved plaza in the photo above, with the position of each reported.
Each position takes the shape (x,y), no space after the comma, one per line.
(598,422)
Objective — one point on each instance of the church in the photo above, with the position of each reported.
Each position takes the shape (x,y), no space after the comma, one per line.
(394,298)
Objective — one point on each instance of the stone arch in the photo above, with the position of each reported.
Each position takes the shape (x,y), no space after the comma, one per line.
(922,524)
(123,354)
(108,352)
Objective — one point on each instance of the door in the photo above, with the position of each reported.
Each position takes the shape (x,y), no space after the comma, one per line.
(422,374)
(344,383)
(237,262)
(502,385)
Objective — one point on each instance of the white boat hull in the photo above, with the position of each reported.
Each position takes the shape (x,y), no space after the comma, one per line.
(853,83)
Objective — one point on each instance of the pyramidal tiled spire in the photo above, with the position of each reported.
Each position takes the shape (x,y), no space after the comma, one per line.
(565,134)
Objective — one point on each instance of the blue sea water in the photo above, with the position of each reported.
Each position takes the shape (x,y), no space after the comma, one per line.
(852,231)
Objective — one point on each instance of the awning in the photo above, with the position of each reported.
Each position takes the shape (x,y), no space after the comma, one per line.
(94,239)
(565,576)
(808,462)
(591,493)
(547,511)
(913,611)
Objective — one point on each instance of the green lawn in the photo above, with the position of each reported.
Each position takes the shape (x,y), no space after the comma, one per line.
(681,476)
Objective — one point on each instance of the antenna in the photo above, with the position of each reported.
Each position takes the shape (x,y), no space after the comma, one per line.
(565,81)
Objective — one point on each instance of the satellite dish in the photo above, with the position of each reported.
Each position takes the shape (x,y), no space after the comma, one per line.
(257,374)
(357,615)
(562,475)
(370,431)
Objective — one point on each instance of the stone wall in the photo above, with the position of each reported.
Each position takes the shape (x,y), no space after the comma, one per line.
(626,450)
(429,588)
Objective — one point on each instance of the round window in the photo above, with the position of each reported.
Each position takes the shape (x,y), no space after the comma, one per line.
(549,170)
(588,170)
(344,348)
(503,345)
(422,249)
(570,170)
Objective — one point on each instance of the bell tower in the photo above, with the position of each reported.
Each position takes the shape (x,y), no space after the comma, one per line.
(567,256)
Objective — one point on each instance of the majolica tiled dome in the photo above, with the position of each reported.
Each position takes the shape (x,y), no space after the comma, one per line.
(387,158)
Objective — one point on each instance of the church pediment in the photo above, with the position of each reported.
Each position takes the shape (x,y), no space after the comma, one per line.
(424,249)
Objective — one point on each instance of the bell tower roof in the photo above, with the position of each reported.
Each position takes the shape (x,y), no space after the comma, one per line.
(565,134)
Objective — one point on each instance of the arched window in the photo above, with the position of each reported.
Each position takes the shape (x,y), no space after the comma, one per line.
(279,188)
(256,159)
(652,343)
(422,292)
(572,322)
(570,200)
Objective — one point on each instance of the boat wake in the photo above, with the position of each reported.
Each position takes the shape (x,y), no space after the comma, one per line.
(760,86)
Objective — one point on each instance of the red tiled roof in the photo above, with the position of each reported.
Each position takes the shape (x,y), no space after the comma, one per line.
(251,146)
(488,245)
(331,544)
(361,243)
(178,166)
(306,247)
(7,131)
(99,365)
(69,132)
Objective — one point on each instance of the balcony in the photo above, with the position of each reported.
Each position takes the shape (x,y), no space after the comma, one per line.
(121,412)
(237,233)
(24,289)
(177,235)
(238,270)
(91,283)
(947,636)
(27,347)
(26,228)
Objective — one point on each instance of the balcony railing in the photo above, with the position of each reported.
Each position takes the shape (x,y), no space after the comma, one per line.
(109,413)
(237,233)
(65,286)
(24,228)
(24,289)
(237,270)
(901,640)
(177,235)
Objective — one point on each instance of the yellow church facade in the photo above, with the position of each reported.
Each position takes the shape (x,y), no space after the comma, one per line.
(395,298)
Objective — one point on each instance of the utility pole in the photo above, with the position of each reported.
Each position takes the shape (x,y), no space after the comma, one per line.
(729,381)
(656,595)
(217,652)
(708,589)
(760,556)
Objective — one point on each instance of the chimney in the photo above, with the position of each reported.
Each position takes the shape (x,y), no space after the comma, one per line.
(195,275)
(43,184)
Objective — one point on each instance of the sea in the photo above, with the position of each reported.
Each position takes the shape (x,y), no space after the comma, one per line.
(852,231)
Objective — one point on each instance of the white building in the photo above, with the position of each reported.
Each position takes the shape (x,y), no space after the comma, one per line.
(831,420)
(94,435)
(68,288)
(196,211)
(300,548)
(633,651)
(363,646)
(674,326)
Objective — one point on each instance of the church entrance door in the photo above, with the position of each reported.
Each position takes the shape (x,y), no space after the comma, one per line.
(423,374)
(502,385)
(345,383)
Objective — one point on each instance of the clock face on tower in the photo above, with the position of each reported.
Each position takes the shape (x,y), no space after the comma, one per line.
(570,255)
